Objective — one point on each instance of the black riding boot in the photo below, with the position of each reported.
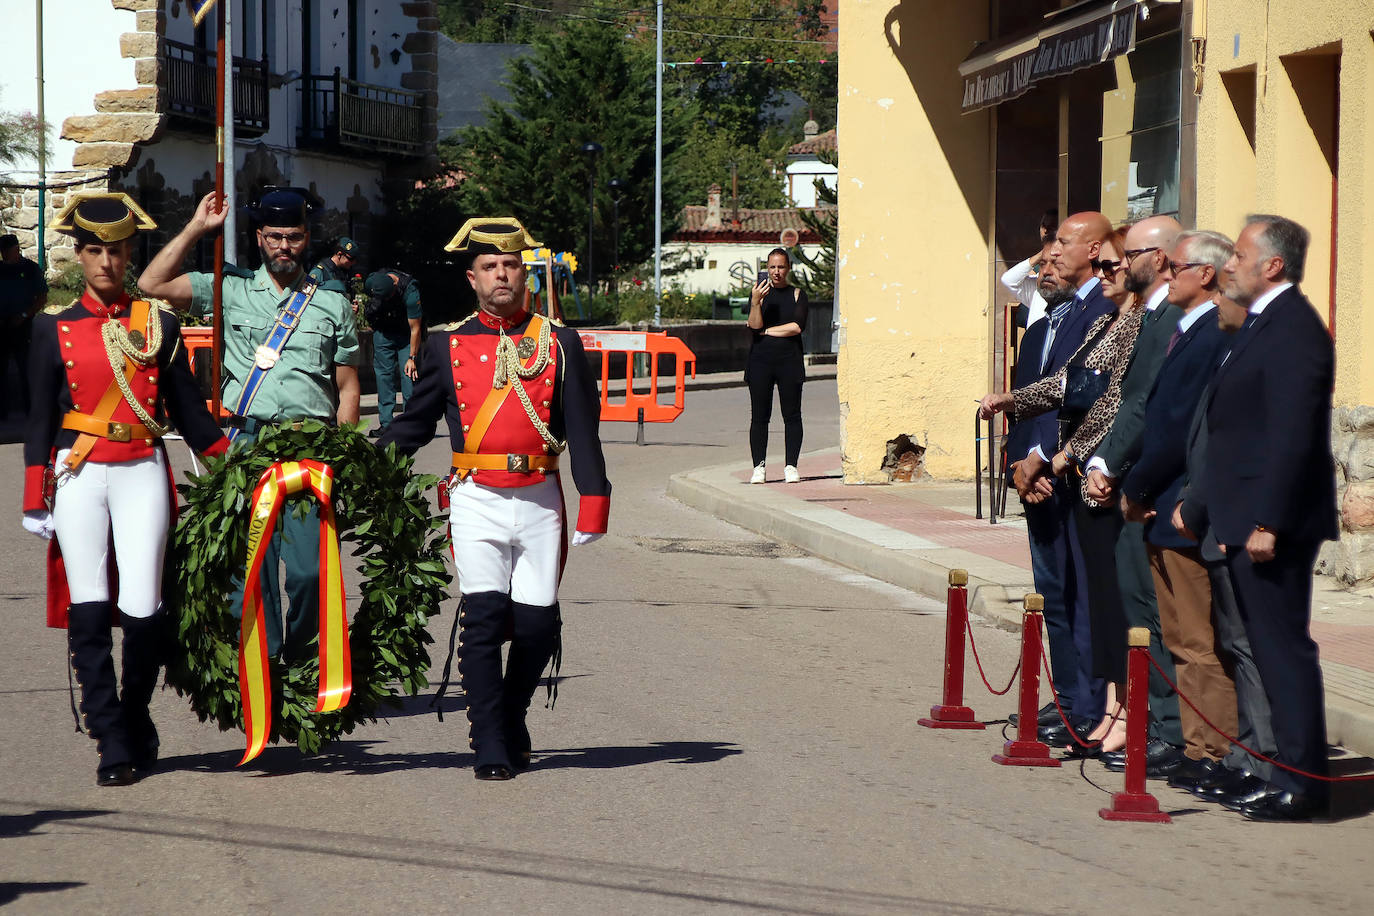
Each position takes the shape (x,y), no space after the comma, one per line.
(89,643)
(145,646)
(482,621)
(536,635)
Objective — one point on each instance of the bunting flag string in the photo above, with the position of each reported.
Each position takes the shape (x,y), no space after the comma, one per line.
(672,65)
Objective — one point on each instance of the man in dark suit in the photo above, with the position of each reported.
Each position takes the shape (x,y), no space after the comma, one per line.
(1268,490)
(1158,472)
(1074,299)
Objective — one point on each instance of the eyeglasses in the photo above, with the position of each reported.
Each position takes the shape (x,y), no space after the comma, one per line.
(1132,253)
(1109,267)
(278,238)
(1178,267)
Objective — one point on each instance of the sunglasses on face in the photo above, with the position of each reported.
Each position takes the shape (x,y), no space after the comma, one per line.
(1132,253)
(1104,266)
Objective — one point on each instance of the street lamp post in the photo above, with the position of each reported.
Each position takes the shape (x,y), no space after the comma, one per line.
(617,187)
(591,151)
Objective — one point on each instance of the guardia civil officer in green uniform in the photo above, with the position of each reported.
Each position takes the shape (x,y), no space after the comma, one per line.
(307,373)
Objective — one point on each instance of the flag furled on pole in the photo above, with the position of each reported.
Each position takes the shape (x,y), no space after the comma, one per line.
(200,9)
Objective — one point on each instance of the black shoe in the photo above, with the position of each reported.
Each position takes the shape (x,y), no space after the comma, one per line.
(1161,758)
(1048,715)
(493,771)
(119,775)
(1193,773)
(1227,782)
(1059,736)
(1155,751)
(1285,806)
(376,432)
(1255,791)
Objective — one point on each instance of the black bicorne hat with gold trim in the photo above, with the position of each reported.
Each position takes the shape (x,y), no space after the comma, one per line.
(491,235)
(101,217)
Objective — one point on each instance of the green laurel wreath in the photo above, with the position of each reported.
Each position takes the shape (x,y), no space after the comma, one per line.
(381,509)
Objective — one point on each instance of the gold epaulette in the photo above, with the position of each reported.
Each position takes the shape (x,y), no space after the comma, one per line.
(555,322)
(58,309)
(162,304)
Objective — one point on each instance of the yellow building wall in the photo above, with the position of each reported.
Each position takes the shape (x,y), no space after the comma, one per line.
(913,260)
(1277,72)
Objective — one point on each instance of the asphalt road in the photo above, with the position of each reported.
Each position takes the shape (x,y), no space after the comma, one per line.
(736,732)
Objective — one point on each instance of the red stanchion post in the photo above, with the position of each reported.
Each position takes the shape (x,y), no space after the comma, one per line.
(952,713)
(1135,804)
(1026,749)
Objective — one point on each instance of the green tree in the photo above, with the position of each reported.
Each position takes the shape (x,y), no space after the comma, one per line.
(19,135)
(819,281)
(584,84)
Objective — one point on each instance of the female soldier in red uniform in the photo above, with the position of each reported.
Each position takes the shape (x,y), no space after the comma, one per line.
(107,373)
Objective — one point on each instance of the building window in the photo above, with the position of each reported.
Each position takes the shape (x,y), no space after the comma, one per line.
(1140,127)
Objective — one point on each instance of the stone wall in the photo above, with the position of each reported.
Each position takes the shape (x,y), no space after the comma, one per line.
(19,213)
(1351,559)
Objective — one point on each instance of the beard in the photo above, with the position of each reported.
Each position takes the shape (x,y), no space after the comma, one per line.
(1058,295)
(1136,284)
(286,266)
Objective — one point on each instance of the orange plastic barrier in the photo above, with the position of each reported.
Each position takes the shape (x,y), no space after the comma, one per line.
(199,343)
(637,407)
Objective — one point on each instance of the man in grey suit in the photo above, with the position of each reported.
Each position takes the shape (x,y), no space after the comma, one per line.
(1242,773)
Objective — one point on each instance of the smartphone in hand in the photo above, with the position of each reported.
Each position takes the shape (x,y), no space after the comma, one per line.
(763,278)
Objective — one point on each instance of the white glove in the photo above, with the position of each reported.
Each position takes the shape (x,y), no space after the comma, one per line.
(39,523)
(582,537)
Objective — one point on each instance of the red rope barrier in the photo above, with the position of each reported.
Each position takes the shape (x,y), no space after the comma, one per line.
(1054,695)
(978,662)
(1250,750)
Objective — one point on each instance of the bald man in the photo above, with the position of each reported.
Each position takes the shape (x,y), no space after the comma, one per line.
(1073,296)
(1148,245)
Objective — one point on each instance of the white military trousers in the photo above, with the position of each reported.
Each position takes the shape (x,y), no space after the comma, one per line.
(508,539)
(125,502)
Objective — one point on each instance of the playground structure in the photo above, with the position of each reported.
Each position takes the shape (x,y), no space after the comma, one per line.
(550,276)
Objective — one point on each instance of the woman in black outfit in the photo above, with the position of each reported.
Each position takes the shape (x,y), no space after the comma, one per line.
(777,316)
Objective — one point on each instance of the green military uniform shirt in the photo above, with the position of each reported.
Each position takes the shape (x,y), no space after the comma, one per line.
(301,384)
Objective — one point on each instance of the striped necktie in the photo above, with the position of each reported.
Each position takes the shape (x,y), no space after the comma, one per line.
(1061,311)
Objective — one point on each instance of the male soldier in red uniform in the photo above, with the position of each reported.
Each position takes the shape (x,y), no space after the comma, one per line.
(516,391)
(100,432)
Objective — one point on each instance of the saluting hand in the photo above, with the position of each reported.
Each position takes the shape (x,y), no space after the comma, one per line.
(210,212)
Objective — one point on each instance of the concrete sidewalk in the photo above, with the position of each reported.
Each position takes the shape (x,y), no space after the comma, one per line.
(911,535)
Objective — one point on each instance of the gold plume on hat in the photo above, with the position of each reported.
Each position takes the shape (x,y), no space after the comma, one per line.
(504,233)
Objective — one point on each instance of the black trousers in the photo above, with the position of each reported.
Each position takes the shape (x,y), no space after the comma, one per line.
(768,367)
(1275,601)
(1098,529)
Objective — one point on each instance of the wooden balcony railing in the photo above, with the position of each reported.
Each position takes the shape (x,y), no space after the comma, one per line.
(191,87)
(336,111)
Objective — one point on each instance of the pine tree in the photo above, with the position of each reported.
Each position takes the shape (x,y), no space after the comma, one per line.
(819,280)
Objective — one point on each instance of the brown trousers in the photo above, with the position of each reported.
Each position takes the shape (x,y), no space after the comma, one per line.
(1185,619)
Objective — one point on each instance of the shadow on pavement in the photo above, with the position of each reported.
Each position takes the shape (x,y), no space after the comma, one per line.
(10,891)
(19,824)
(355,758)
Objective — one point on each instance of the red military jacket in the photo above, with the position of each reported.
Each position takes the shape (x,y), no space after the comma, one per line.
(69,370)
(456,375)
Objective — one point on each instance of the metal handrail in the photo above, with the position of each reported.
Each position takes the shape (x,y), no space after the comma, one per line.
(190,74)
(343,112)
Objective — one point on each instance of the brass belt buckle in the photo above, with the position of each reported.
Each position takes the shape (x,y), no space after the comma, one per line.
(118,432)
(518,464)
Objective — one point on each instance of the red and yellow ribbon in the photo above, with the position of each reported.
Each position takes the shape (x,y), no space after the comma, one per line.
(281,480)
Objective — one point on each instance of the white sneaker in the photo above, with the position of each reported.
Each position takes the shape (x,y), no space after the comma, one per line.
(790,475)
(757,476)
